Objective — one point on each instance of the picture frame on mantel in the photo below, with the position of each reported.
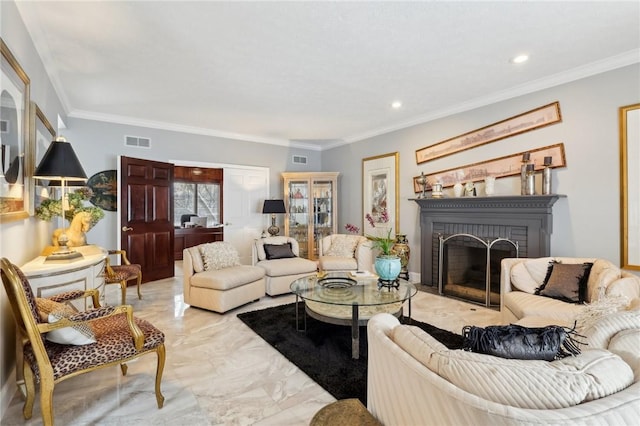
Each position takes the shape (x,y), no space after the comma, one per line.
(380,190)
(42,135)
(630,186)
(521,123)
(509,165)
(14,146)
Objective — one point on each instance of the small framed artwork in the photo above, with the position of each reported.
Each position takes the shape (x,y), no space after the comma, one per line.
(530,120)
(42,135)
(380,189)
(14,145)
(509,165)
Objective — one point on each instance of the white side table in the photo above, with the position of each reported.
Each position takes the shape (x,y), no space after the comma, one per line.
(48,279)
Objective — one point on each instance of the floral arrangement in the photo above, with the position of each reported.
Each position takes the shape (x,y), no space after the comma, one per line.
(384,244)
(50,208)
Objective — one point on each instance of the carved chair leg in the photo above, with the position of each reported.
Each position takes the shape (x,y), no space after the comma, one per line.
(124,368)
(123,290)
(161,357)
(139,282)
(46,401)
(29,384)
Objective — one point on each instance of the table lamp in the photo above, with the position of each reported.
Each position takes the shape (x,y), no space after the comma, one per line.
(61,163)
(273,207)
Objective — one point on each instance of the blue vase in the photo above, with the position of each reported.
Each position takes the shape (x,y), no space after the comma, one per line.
(388,267)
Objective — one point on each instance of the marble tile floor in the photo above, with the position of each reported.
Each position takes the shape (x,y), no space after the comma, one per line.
(217,372)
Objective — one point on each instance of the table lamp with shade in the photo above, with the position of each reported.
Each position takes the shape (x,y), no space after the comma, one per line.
(61,163)
(273,207)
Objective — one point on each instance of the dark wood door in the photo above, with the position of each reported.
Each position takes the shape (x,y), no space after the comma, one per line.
(146,216)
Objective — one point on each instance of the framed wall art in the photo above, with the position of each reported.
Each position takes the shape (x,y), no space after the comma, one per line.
(14,146)
(42,135)
(530,120)
(380,189)
(630,186)
(508,165)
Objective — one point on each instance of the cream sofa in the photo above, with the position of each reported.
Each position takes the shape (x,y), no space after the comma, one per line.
(281,272)
(520,277)
(415,380)
(220,289)
(344,252)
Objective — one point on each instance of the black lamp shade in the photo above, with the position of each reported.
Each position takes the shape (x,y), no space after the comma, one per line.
(273,206)
(60,162)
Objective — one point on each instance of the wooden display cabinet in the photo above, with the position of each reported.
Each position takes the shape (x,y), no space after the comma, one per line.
(311,203)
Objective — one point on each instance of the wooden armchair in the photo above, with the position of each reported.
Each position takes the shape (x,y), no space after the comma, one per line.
(122,273)
(117,337)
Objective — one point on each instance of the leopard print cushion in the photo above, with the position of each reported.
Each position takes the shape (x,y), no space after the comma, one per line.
(114,342)
(28,292)
(123,272)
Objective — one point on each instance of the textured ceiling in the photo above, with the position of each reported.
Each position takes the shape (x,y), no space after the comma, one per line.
(316,74)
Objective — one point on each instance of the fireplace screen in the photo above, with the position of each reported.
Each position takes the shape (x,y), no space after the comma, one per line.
(469,267)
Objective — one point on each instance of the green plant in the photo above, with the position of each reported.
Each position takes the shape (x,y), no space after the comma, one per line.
(51,208)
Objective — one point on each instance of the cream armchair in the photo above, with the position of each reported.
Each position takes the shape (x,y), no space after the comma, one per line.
(343,252)
(278,256)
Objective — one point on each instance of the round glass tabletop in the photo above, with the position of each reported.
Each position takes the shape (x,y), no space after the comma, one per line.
(342,288)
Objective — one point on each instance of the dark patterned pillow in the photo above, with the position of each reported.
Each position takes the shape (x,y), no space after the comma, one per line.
(278,251)
(566,282)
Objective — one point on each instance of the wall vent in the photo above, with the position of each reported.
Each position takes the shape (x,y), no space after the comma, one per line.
(138,142)
(299,159)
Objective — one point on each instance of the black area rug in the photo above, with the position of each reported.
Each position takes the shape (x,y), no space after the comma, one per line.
(323,352)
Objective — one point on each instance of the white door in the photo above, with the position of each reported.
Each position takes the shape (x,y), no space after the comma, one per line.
(245,190)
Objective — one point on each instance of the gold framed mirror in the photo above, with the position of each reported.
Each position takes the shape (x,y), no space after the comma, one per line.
(630,186)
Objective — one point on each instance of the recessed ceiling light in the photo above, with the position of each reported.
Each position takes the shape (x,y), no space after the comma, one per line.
(396,104)
(520,59)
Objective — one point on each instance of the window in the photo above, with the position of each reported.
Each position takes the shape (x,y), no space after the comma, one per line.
(202,199)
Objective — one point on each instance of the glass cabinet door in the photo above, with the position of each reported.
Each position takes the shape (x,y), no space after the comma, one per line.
(311,207)
(298,209)
(322,211)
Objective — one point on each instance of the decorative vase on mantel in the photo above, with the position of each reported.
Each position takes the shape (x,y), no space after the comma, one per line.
(402,250)
(387,267)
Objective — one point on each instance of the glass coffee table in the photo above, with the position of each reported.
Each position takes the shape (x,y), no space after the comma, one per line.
(342,299)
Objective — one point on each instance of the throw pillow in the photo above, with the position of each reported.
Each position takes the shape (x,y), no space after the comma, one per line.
(522,279)
(518,342)
(343,245)
(219,255)
(566,282)
(50,311)
(278,251)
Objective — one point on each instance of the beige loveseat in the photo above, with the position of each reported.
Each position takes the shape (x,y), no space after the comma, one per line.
(344,252)
(520,278)
(278,256)
(415,380)
(215,280)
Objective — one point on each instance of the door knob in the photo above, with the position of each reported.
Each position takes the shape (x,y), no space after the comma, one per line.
(126,228)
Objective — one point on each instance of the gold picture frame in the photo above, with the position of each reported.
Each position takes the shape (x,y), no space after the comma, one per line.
(380,190)
(42,133)
(521,123)
(14,131)
(630,186)
(509,165)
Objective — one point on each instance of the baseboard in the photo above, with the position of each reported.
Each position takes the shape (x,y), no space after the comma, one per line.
(414,277)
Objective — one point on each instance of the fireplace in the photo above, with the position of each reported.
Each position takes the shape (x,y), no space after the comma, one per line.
(469,266)
(514,226)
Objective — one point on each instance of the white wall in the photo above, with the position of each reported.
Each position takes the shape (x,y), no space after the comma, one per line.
(23,239)
(586,223)
(98,145)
